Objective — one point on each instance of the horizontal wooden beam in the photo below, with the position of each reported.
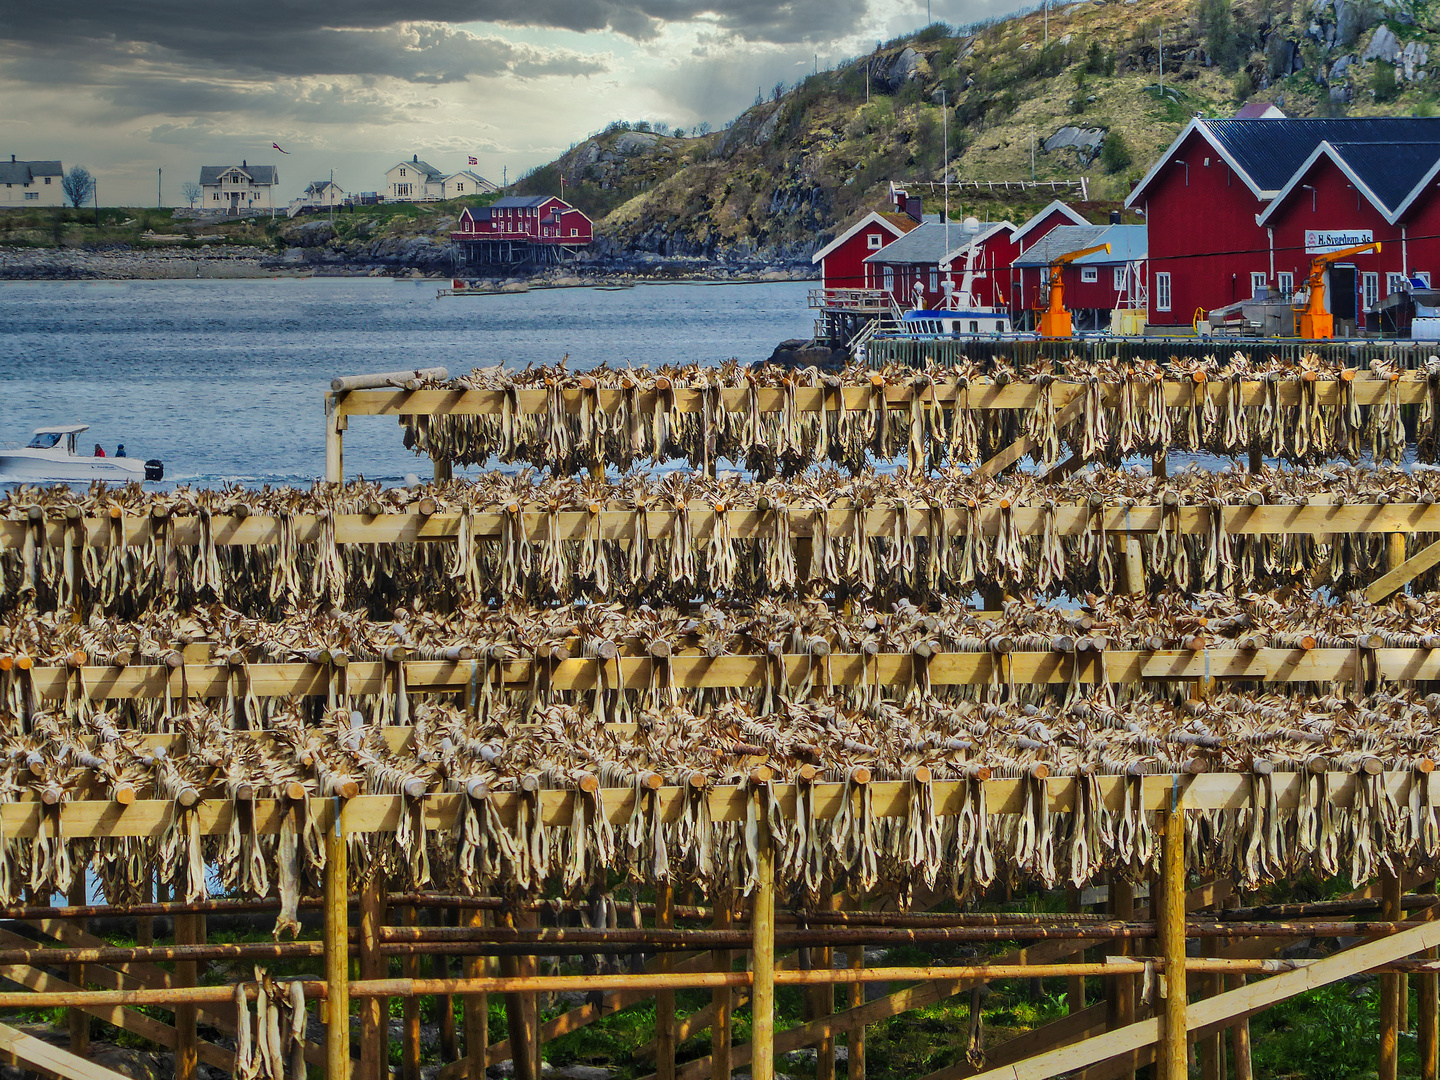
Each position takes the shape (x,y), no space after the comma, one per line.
(1121,666)
(745,523)
(978,394)
(890,798)
(51,1060)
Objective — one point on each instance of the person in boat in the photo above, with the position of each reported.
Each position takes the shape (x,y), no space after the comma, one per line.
(99,450)
(120,450)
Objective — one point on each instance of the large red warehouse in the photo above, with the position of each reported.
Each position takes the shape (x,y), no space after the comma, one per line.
(1238,206)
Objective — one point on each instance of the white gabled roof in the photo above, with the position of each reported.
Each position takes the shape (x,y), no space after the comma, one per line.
(1073,215)
(62,429)
(872,218)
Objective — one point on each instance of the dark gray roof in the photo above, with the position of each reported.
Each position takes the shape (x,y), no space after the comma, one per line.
(23,172)
(1269,151)
(1393,174)
(520,200)
(261,174)
(1127,244)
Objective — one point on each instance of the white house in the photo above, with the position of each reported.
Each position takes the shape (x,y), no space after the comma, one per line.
(319,195)
(458,185)
(233,188)
(414,181)
(31,183)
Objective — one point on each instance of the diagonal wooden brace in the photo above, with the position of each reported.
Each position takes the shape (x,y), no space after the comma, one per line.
(1232,1005)
(1072,411)
(1392,582)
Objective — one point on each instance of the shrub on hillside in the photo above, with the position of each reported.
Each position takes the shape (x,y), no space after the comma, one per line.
(1115,153)
(1384,83)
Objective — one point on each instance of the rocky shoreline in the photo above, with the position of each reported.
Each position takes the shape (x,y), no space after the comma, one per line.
(238,261)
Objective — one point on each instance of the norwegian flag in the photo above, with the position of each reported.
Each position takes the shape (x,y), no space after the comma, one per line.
(276,145)
(474,161)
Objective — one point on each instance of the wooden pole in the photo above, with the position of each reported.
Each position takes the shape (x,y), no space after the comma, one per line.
(449,1050)
(1390,987)
(522,1039)
(855,1040)
(145,924)
(337,950)
(410,1010)
(762,931)
(1211,1047)
(1172,1052)
(822,1005)
(1240,1032)
(477,1007)
(721,1032)
(374,1012)
(334,441)
(1427,1022)
(1121,1012)
(664,999)
(1075,984)
(187,1037)
(79,1021)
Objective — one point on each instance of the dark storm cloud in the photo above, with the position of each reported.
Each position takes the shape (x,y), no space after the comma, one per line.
(365,37)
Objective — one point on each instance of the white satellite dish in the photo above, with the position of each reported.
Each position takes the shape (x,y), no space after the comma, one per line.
(972,224)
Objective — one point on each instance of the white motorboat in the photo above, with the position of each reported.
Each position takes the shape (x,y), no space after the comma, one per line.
(51,456)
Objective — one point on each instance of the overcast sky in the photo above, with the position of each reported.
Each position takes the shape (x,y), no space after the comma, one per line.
(124,87)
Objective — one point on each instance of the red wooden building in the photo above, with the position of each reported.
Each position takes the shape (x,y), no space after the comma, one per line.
(517,229)
(1234,205)
(1038,226)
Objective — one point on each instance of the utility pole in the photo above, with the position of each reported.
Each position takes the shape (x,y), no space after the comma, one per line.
(159,201)
(330,198)
(95,194)
(1047,24)
(1160,37)
(1032,156)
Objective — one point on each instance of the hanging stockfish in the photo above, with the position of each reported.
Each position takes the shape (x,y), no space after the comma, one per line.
(924,842)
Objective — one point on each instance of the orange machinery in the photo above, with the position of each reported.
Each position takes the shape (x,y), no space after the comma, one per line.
(1055,320)
(1313,322)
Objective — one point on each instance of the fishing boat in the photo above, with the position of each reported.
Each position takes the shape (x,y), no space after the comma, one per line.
(51,456)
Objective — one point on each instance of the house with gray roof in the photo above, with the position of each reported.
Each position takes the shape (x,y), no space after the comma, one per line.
(31,183)
(419,181)
(238,189)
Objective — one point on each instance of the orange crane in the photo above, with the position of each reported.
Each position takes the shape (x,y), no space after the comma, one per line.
(1055,320)
(1313,321)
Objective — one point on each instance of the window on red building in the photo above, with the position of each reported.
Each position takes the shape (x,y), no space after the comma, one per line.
(1162,292)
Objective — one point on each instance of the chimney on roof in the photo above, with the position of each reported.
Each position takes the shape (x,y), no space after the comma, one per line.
(912,207)
(244,164)
(415,158)
(12,159)
(1114,217)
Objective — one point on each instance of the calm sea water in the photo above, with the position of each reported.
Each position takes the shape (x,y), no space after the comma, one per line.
(223,380)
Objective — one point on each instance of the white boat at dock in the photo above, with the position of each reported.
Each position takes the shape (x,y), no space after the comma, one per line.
(51,456)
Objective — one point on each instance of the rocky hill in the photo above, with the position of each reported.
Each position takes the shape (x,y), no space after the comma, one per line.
(1082,95)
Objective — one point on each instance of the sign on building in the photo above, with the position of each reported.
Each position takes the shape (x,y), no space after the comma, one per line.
(1323,241)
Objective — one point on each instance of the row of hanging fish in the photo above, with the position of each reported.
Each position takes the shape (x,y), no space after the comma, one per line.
(771,627)
(641,804)
(780,421)
(674,538)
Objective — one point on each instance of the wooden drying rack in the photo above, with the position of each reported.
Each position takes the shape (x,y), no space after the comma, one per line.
(1067,397)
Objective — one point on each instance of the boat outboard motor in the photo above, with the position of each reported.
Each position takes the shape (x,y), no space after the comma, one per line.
(154,469)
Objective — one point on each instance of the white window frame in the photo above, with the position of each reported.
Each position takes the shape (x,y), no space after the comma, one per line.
(1369,289)
(32,194)
(1162,291)
(1394,283)
(1421,275)
(874,241)
(1089,274)
(574,232)
(934,279)
(1258,280)
(888,277)
(1285,283)
(1119,279)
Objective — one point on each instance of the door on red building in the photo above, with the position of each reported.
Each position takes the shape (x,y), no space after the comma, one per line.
(1344,282)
